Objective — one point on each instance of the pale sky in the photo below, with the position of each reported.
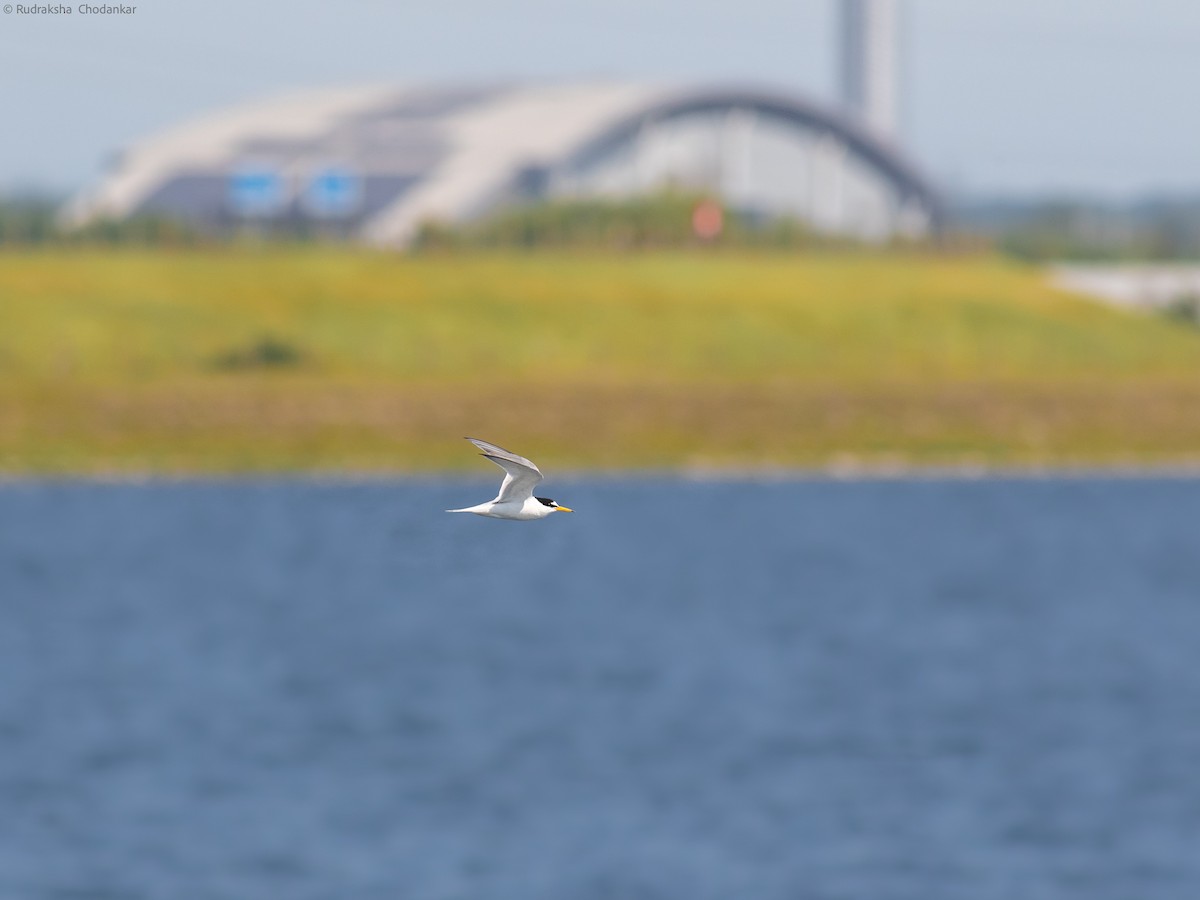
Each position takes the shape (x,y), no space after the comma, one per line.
(1000,96)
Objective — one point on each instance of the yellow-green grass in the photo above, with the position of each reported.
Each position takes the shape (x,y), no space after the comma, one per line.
(146,361)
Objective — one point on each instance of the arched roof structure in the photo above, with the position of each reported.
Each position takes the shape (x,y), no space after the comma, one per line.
(403,155)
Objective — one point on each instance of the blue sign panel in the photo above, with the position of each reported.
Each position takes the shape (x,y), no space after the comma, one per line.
(257,191)
(333,192)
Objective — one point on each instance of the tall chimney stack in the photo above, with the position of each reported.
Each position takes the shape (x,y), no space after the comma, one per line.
(869,64)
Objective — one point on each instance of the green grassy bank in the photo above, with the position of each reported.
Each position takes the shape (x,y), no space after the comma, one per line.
(299,359)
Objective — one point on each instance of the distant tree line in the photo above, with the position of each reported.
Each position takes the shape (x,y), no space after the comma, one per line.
(658,221)
(1084,230)
(33,220)
(1035,231)
(669,219)
(27,220)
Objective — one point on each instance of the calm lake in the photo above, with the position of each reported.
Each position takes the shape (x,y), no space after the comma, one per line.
(970,690)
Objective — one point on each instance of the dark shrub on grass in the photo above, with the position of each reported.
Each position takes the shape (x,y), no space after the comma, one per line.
(267,352)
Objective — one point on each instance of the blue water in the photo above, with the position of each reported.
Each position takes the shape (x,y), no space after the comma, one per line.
(841,691)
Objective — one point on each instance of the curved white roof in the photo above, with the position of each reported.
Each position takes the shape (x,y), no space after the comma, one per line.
(490,142)
(214,140)
(434,153)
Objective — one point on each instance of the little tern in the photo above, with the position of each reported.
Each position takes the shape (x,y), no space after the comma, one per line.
(515,500)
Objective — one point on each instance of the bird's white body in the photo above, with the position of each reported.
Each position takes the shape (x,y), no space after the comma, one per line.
(530,509)
(515,500)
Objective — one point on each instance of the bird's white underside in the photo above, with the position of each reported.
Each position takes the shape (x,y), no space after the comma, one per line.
(493,509)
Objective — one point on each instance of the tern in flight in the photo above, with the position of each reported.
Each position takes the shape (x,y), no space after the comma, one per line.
(515,500)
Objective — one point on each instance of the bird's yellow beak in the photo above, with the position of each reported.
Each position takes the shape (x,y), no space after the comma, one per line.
(563,508)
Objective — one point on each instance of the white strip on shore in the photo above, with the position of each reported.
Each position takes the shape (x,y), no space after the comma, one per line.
(1132,285)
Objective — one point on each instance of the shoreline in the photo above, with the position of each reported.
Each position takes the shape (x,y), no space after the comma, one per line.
(836,472)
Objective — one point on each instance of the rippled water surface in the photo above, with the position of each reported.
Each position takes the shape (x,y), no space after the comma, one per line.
(844,691)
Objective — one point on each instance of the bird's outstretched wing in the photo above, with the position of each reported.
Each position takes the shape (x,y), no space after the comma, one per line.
(521,475)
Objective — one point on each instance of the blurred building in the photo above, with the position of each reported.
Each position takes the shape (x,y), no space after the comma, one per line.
(376,163)
(870,87)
